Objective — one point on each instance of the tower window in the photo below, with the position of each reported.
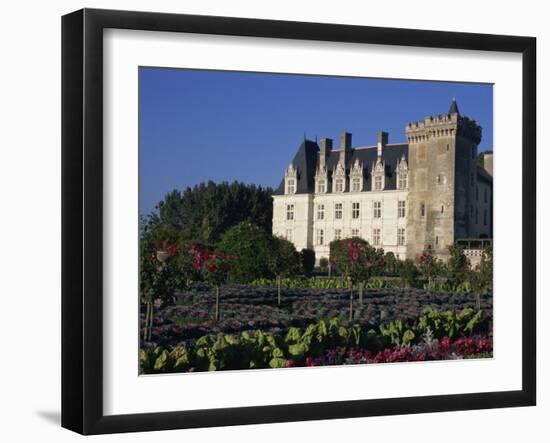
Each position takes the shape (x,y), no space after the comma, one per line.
(422,209)
(290,212)
(436,240)
(448,147)
(355,210)
(338,210)
(485,217)
(442,209)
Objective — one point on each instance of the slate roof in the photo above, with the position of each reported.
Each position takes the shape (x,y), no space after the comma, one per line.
(307,157)
(483,175)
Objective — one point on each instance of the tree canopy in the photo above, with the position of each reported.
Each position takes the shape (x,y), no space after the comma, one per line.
(207,210)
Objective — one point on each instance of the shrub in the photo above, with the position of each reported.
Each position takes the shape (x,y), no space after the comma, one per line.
(458,265)
(408,272)
(390,263)
(307,259)
(429,266)
(323,264)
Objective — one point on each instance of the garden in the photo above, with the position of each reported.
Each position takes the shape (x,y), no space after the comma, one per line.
(235,297)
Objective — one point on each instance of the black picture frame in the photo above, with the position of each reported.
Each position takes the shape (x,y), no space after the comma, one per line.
(82,215)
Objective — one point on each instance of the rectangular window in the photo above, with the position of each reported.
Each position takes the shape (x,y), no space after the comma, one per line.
(401,209)
(378,183)
(376,237)
(320,237)
(472,178)
(290,212)
(339,185)
(477,193)
(356,184)
(355,210)
(320,212)
(485,217)
(401,237)
(338,210)
(290,186)
(485,195)
(377,209)
(477,216)
(337,234)
(289,234)
(355,232)
(321,186)
(422,209)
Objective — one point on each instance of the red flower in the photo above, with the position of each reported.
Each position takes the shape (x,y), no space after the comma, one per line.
(290,363)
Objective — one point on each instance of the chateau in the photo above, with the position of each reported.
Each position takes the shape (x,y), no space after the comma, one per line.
(432,190)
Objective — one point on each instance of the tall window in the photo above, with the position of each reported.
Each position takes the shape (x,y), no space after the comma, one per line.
(442,209)
(337,234)
(477,193)
(401,209)
(472,178)
(376,236)
(439,179)
(377,209)
(485,195)
(477,216)
(402,181)
(320,212)
(320,237)
(321,186)
(422,209)
(401,237)
(338,210)
(339,185)
(290,186)
(355,232)
(378,183)
(485,217)
(290,212)
(355,210)
(289,234)
(356,184)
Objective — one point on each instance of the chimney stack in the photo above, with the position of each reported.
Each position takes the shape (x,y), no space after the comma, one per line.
(324,150)
(382,142)
(345,147)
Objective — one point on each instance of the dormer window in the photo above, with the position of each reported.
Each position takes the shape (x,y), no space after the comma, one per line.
(339,178)
(402,172)
(378,175)
(356,184)
(290,186)
(356,174)
(321,186)
(291,177)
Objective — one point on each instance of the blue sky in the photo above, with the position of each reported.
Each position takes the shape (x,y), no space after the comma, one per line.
(198,125)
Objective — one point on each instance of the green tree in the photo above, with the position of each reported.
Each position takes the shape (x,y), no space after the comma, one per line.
(251,247)
(207,210)
(390,263)
(357,261)
(408,273)
(284,261)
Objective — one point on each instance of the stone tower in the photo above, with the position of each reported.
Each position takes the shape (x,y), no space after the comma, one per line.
(442,161)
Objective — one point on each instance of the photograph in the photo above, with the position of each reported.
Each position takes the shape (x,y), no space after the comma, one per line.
(302,221)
